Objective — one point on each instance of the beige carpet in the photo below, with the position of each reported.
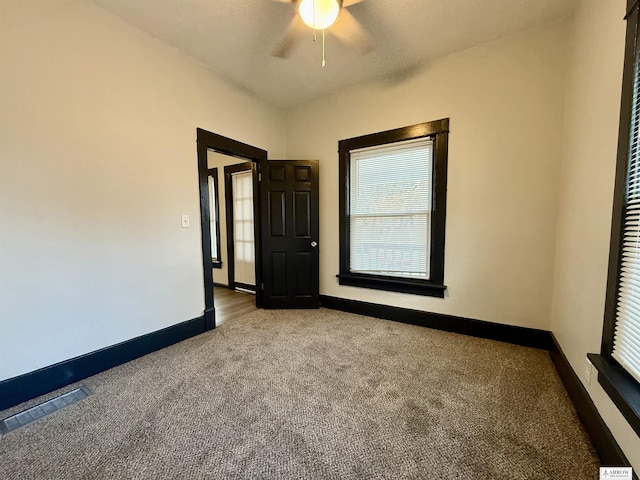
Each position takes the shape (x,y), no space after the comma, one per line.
(315,395)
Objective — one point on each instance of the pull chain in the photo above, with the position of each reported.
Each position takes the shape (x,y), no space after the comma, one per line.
(314,32)
(323,62)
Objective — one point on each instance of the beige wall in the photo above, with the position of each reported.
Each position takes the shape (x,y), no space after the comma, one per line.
(505,102)
(592,108)
(98,158)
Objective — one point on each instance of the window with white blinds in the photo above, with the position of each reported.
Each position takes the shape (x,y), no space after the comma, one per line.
(626,337)
(392,206)
(390,209)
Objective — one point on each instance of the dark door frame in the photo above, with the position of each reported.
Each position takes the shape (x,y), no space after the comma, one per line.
(211,141)
(231,245)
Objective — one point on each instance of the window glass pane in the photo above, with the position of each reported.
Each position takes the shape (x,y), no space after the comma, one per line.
(213,200)
(390,206)
(244,248)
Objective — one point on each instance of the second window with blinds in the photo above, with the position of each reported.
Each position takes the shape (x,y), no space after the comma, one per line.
(393,209)
(618,363)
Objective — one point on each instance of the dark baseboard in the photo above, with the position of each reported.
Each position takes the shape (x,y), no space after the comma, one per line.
(528,337)
(245,286)
(30,385)
(601,437)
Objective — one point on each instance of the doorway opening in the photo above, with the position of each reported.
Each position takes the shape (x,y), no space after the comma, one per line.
(285,225)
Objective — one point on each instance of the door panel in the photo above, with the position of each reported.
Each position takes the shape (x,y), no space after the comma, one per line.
(290,234)
(302,218)
(278,274)
(303,281)
(276,213)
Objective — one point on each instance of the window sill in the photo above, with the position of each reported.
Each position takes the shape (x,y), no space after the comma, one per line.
(621,387)
(217,264)
(392,284)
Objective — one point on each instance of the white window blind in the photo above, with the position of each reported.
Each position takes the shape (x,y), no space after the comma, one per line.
(390,209)
(626,339)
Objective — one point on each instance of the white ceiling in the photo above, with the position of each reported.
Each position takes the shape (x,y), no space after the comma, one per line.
(236,37)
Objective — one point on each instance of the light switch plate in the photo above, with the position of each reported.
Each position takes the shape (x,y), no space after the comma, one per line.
(186,223)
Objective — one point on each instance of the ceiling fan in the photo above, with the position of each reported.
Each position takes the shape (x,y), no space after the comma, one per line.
(322,15)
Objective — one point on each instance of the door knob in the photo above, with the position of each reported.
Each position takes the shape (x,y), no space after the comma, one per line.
(314,244)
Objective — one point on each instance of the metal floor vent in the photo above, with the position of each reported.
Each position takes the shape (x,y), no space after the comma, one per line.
(43,409)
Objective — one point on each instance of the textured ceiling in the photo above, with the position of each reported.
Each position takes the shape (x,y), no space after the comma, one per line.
(236,37)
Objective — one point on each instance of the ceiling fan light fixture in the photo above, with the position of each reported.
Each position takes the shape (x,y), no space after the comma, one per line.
(319,14)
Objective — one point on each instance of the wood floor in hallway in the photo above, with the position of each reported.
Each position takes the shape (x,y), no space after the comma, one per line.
(231,304)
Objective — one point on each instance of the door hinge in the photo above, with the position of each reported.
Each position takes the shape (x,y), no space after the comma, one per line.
(260,177)
(262,286)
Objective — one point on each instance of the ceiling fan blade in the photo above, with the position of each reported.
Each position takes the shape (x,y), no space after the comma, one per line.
(293,33)
(349,31)
(346,3)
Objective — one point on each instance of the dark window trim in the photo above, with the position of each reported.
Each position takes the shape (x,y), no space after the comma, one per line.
(216,262)
(439,130)
(621,387)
